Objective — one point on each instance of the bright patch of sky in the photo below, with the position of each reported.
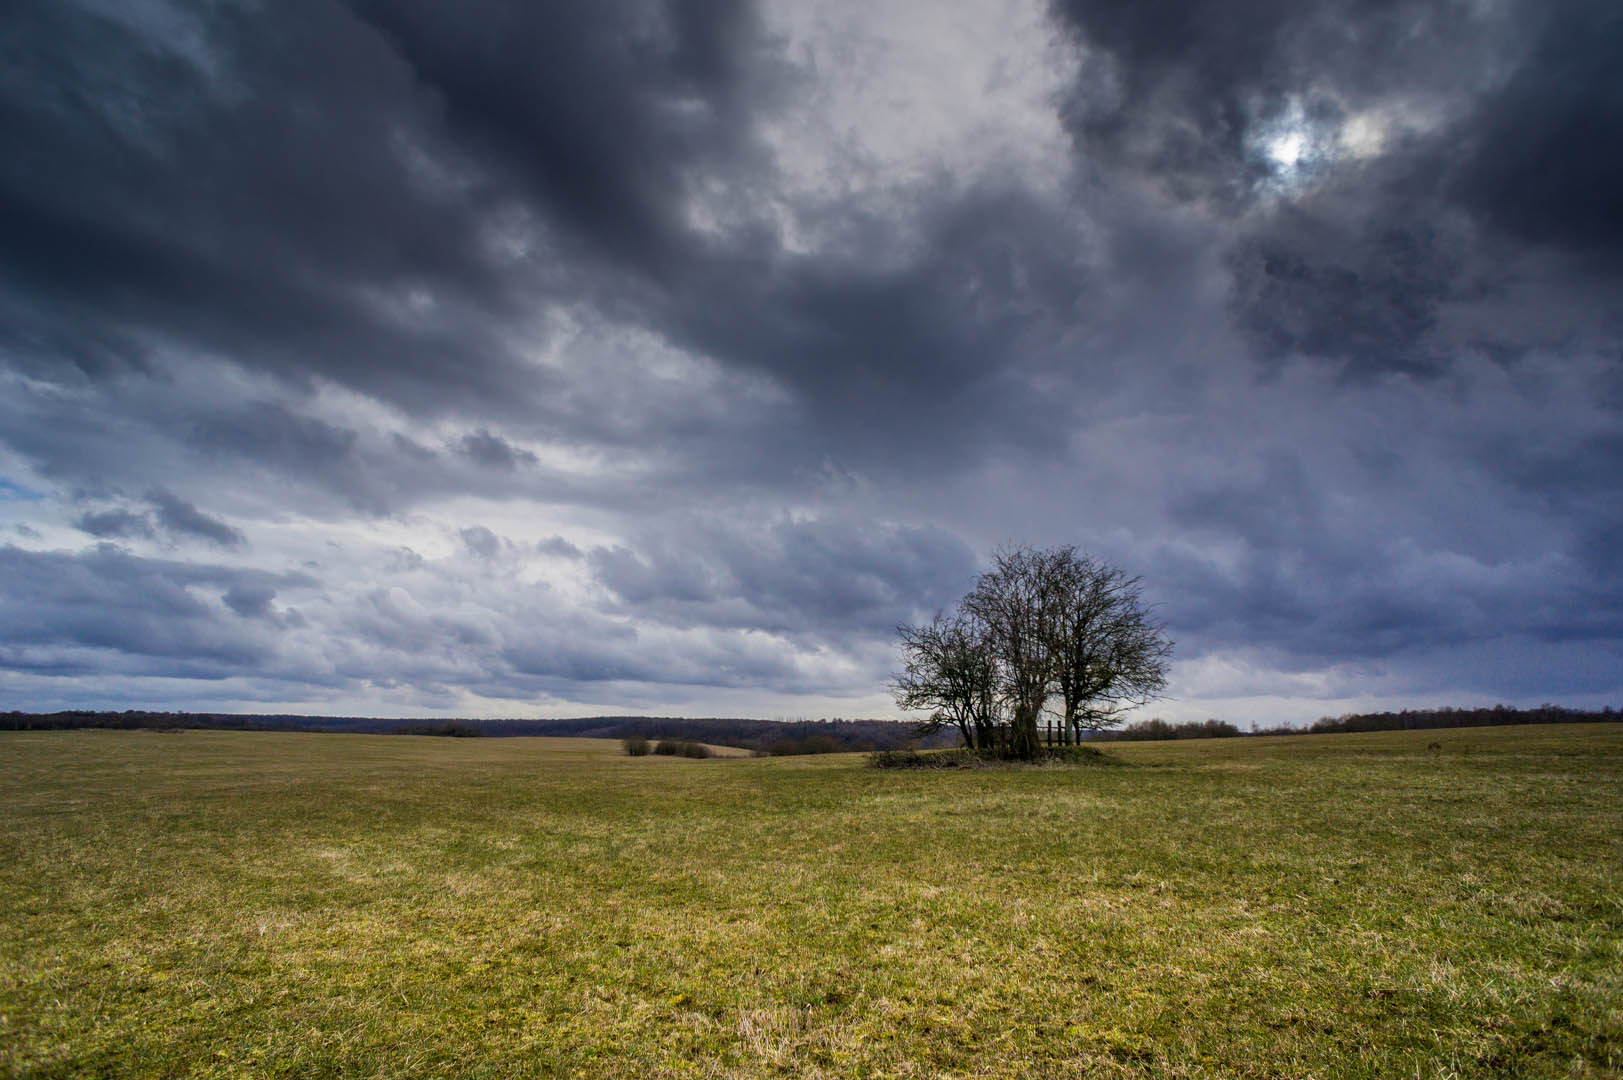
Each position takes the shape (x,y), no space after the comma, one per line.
(899,96)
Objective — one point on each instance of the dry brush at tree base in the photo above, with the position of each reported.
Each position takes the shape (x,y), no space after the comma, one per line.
(218,904)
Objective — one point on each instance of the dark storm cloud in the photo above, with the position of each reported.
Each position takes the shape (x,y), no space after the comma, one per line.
(155,616)
(366,196)
(913,364)
(1297,603)
(270,433)
(594,655)
(559,547)
(249,601)
(238,185)
(481,541)
(388,196)
(110,439)
(478,628)
(599,111)
(374,196)
(1433,517)
(1365,292)
(114,523)
(492,450)
(181,518)
(813,577)
(1544,154)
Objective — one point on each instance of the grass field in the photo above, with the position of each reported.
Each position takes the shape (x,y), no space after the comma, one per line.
(247,904)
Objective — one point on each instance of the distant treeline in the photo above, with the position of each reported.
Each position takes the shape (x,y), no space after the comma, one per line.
(1421,719)
(1406,720)
(454,729)
(1156,728)
(141,719)
(770,736)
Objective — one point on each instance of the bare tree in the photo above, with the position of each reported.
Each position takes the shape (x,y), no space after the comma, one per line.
(947,670)
(1112,657)
(1018,602)
(1039,625)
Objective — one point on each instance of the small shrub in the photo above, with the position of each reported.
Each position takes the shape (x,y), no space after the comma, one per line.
(636,745)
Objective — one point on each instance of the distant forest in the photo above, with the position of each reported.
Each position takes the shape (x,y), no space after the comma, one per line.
(1407,720)
(1417,719)
(767,736)
(772,736)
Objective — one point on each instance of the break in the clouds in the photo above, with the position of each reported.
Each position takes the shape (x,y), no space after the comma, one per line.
(403,357)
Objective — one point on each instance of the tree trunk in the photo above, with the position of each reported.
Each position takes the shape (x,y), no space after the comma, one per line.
(1024,743)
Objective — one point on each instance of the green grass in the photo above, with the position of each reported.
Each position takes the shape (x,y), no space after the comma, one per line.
(246,904)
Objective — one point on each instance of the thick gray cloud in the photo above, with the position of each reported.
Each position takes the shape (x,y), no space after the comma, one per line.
(600,112)
(106,610)
(1543,153)
(649,353)
(181,518)
(824,579)
(114,523)
(482,542)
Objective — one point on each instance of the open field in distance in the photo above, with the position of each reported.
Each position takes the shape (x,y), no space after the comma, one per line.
(247,904)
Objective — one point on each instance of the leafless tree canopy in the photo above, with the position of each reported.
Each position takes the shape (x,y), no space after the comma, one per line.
(1049,630)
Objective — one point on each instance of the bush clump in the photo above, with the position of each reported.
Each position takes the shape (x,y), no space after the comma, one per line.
(682,748)
(636,745)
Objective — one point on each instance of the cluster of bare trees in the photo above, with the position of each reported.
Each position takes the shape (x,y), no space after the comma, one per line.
(1043,631)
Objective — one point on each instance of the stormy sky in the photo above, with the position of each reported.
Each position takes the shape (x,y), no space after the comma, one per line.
(499,358)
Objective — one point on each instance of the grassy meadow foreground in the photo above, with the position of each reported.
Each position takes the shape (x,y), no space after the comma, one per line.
(250,904)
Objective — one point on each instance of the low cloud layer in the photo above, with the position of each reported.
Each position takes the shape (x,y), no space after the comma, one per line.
(396,357)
